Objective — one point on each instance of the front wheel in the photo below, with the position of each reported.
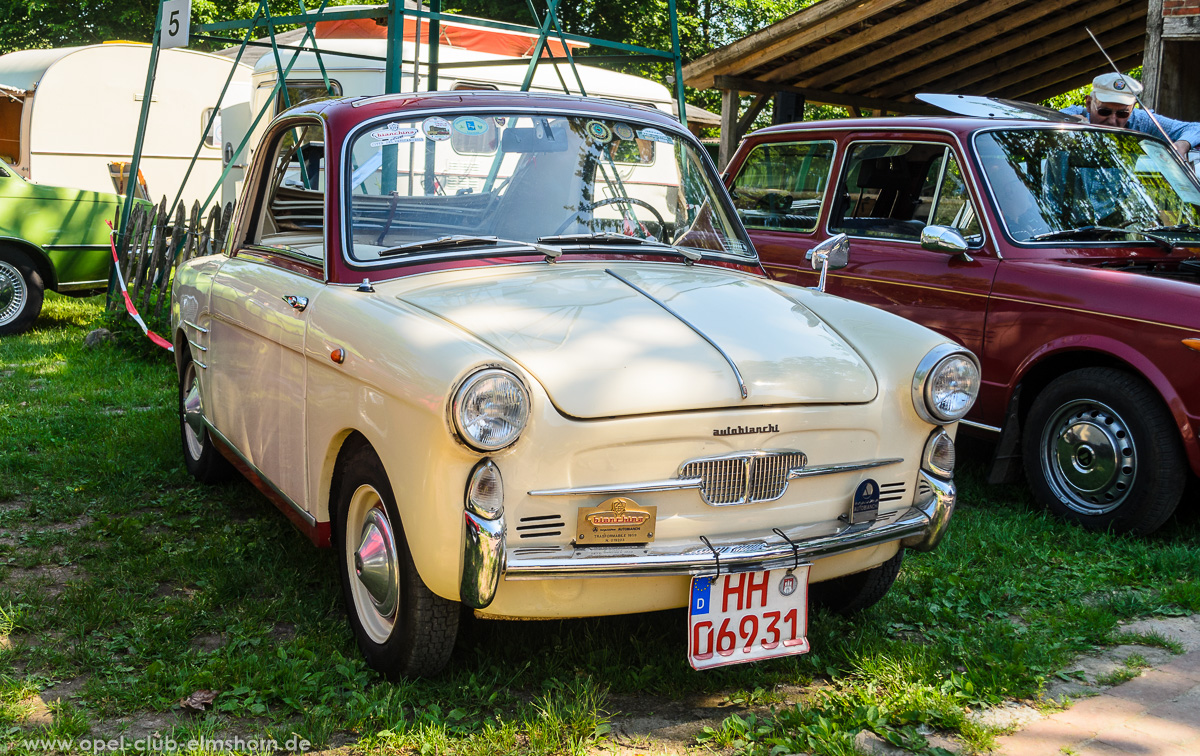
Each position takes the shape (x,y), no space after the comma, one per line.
(21,292)
(1101,450)
(402,628)
(851,594)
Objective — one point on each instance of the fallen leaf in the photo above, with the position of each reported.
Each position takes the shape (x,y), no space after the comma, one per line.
(198,700)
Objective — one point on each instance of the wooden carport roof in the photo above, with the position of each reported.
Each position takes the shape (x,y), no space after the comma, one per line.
(877,54)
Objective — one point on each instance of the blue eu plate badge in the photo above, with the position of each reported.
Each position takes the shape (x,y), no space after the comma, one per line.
(700,592)
(866,502)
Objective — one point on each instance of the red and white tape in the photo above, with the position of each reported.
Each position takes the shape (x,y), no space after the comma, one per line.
(133,313)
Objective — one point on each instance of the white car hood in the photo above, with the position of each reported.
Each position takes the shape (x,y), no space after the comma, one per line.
(601,348)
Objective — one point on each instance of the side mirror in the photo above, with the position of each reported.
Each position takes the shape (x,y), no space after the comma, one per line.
(944,239)
(833,253)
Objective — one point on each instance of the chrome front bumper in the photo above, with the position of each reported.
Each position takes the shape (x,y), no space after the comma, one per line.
(921,527)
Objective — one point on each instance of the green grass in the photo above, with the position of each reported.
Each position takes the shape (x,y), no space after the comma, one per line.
(124,579)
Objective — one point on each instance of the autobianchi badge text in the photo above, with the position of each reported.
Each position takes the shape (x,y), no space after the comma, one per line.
(743,430)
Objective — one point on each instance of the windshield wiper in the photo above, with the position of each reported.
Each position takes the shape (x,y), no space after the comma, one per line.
(609,237)
(462,240)
(1187,228)
(1068,233)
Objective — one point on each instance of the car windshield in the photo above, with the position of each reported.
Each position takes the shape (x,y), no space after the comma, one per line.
(1087,184)
(431,185)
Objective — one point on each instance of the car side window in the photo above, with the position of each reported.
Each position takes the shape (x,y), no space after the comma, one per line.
(780,186)
(892,190)
(954,207)
(293,216)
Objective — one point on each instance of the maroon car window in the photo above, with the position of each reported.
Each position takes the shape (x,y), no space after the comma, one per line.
(780,186)
(294,211)
(954,208)
(890,190)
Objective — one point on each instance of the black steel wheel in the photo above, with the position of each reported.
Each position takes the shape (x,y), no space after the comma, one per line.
(1101,450)
(200,455)
(852,594)
(402,628)
(21,292)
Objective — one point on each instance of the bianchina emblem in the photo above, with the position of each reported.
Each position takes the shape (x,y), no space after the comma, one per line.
(522,399)
(617,520)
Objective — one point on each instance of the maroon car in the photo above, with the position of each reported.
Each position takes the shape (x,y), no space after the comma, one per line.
(1066,256)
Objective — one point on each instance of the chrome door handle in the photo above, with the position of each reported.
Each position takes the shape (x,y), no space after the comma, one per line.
(298,302)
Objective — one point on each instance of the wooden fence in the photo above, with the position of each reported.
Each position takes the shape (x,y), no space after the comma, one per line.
(157,244)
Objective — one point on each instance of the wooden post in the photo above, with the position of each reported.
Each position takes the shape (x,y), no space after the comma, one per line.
(730,99)
(1152,58)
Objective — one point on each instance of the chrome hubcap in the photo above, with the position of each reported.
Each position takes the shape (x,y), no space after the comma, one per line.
(375,562)
(12,293)
(372,558)
(1089,457)
(193,413)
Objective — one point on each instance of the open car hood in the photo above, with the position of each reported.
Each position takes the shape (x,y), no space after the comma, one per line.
(602,348)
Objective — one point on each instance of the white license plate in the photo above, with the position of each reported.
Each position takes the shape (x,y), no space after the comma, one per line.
(748,616)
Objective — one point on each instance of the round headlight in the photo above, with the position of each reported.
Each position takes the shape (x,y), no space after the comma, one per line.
(946,384)
(490,409)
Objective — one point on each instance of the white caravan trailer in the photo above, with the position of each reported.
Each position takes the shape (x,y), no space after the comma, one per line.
(68,116)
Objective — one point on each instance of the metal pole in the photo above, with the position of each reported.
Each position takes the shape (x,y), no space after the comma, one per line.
(393,75)
(678,60)
(136,159)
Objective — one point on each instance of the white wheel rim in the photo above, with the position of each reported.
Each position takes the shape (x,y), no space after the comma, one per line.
(372,563)
(13,293)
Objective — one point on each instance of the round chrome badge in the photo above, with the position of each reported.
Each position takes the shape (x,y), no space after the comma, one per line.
(787,586)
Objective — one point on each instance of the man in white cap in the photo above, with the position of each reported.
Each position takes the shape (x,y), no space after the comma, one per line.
(1111,104)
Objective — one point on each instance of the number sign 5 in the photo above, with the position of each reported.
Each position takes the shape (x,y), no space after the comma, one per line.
(176,23)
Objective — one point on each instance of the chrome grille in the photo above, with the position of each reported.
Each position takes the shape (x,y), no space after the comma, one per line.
(743,478)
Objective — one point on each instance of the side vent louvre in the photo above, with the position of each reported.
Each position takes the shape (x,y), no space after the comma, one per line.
(891,492)
(541,526)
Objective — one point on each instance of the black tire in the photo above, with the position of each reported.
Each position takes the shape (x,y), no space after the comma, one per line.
(21,292)
(854,593)
(200,455)
(402,628)
(1101,450)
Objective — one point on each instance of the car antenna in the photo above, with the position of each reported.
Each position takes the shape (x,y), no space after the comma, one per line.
(366,286)
(1149,112)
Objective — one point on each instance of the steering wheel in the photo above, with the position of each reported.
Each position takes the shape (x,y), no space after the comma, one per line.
(603,203)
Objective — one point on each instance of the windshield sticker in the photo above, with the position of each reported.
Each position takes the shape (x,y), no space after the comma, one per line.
(623,131)
(394,133)
(599,132)
(654,135)
(437,129)
(470,125)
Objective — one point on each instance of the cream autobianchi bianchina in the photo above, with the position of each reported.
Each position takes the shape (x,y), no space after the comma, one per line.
(515,352)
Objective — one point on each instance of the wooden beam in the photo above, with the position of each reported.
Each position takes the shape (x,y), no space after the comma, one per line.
(826,98)
(747,119)
(977,40)
(1152,65)
(1085,76)
(795,31)
(1066,61)
(980,76)
(909,42)
(882,30)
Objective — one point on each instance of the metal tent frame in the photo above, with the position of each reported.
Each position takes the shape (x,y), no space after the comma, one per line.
(394,13)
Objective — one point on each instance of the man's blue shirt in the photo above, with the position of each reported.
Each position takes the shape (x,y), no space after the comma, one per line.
(1139,120)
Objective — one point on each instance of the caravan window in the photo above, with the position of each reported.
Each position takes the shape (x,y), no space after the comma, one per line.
(213,137)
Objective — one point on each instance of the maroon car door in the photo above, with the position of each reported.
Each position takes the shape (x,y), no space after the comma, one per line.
(887,192)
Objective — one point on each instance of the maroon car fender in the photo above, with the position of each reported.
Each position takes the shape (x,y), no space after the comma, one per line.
(1136,360)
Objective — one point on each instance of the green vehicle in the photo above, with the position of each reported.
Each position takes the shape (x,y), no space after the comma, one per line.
(51,237)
